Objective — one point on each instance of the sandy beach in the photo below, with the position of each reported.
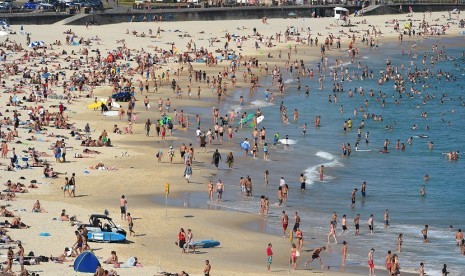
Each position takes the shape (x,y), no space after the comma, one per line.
(130,165)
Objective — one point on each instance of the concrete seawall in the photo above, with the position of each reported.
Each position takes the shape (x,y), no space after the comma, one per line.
(205,14)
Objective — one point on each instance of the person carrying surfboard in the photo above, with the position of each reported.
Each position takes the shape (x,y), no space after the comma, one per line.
(246,145)
(275,138)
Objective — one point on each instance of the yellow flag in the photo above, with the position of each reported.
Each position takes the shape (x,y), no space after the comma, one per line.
(167,188)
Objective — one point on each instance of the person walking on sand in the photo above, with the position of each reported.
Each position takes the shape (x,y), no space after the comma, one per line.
(188,172)
(294,255)
(190,241)
(20,255)
(207,268)
(131,225)
(269,254)
(9,261)
(371,265)
(72,185)
(123,207)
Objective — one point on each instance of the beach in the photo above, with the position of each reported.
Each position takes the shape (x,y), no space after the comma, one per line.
(130,167)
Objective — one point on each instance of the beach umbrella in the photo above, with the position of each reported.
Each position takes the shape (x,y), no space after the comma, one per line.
(32,44)
(86,262)
(46,75)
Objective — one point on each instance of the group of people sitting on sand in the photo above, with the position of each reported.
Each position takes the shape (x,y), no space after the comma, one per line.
(49,172)
(18,187)
(101,142)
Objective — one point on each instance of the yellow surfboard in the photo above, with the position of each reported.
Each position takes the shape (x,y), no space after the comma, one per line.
(94,105)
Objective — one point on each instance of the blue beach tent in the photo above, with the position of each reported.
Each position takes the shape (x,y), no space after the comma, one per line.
(86,262)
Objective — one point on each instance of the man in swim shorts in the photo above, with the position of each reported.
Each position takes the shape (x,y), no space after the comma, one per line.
(371,265)
(269,254)
(425,234)
(296,221)
(316,255)
(357,224)
(122,206)
(284,222)
(353,197)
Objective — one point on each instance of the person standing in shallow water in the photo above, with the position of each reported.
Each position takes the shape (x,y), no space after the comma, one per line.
(363,188)
(353,197)
(302,181)
(216,158)
(230,160)
(321,171)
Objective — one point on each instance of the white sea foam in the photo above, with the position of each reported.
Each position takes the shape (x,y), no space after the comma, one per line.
(260,103)
(312,174)
(289,81)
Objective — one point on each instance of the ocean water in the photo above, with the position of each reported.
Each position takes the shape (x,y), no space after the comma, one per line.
(393,180)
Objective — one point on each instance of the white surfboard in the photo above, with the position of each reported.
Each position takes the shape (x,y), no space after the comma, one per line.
(110,113)
(260,119)
(288,142)
(115,104)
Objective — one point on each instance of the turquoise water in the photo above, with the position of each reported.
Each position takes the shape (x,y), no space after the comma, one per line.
(393,180)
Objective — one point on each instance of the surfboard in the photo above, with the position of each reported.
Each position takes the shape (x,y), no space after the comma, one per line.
(246,119)
(206,243)
(105,237)
(111,113)
(94,105)
(259,120)
(288,142)
(363,150)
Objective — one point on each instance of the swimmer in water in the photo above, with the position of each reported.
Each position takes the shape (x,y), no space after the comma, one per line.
(304,129)
(423,191)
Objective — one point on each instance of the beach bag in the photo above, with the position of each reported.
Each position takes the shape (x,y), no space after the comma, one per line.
(297,253)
